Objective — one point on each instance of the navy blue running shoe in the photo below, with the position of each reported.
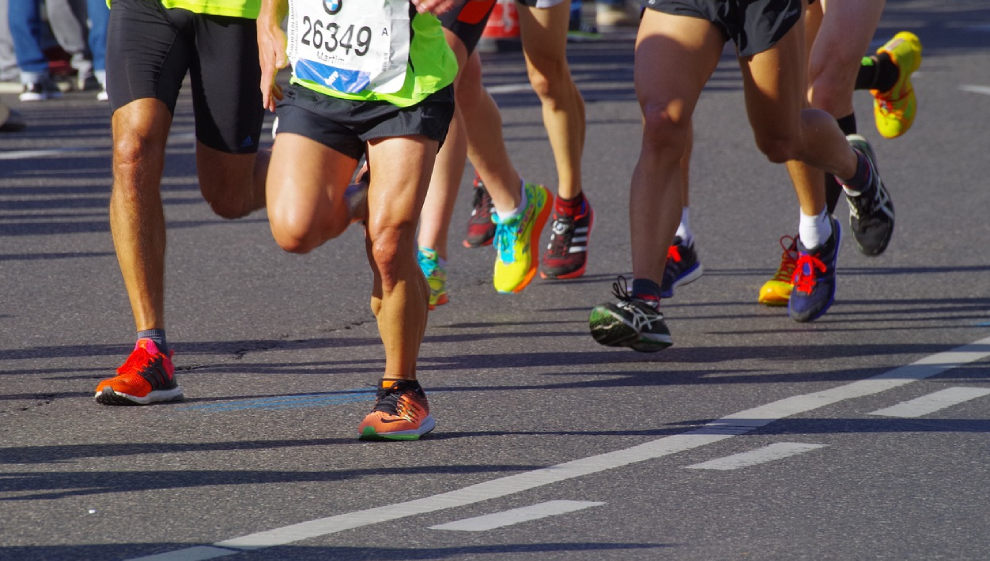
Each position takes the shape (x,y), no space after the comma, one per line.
(682,267)
(814,278)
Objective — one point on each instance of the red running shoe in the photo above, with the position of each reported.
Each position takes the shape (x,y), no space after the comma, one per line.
(147,376)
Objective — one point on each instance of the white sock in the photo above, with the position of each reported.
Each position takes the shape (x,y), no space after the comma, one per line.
(814,230)
(504,216)
(684,228)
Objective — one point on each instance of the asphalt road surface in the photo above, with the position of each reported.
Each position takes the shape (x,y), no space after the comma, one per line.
(860,436)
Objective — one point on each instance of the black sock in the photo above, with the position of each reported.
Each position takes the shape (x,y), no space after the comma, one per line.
(833,189)
(861,179)
(156,335)
(877,72)
(646,290)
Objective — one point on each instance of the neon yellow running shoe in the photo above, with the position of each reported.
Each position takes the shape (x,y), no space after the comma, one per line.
(894,109)
(436,275)
(777,291)
(517,241)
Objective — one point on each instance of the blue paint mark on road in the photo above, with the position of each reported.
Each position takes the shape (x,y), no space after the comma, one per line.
(287,401)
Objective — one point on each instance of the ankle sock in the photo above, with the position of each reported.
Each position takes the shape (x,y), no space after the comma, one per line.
(646,290)
(861,179)
(156,335)
(569,207)
(523,201)
(814,230)
(877,72)
(684,228)
(833,189)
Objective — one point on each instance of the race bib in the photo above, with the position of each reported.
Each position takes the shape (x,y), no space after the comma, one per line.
(350,45)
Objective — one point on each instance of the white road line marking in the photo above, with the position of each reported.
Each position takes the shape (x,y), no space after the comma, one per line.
(985,90)
(770,453)
(515,516)
(715,431)
(510,88)
(198,553)
(932,402)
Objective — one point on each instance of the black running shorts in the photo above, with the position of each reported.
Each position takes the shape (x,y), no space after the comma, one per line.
(753,25)
(346,125)
(469,22)
(150,49)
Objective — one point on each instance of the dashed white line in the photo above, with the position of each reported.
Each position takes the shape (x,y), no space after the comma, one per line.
(985,90)
(721,429)
(927,404)
(770,453)
(515,516)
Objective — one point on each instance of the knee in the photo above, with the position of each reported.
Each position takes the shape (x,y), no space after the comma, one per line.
(777,149)
(226,206)
(390,247)
(133,151)
(292,231)
(664,126)
(550,81)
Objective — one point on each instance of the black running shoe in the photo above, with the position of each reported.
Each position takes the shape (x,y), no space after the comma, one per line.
(871,213)
(480,228)
(630,322)
(682,267)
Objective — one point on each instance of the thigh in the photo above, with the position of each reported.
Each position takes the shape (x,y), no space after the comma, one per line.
(544,33)
(225,73)
(775,84)
(148,55)
(401,167)
(675,57)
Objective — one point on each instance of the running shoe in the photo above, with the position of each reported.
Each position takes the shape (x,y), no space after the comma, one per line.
(567,252)
(40,91)
(871,213)
(814,278)
(481,227)
(436,275)
(894,109)
(630,322)
(777,291)
(401,412)
(517,238)
(147,376)
(682,267)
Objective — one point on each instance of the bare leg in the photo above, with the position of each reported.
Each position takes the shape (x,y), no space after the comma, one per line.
(544,37)
(137,220)
(675,56)
(400,176)
(305,191)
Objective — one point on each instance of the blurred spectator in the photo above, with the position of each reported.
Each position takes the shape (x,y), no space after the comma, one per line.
(616,13)
(79,26)
(9,73)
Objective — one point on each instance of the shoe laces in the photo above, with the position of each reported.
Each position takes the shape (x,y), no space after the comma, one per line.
(389,401)
(643,314)
(674,253)
(506,234)
(427,263)
(561,233)
(805,281)
(788,259)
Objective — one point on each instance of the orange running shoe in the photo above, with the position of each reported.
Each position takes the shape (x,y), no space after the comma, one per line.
(777,291)
(147,376)
(401,412)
